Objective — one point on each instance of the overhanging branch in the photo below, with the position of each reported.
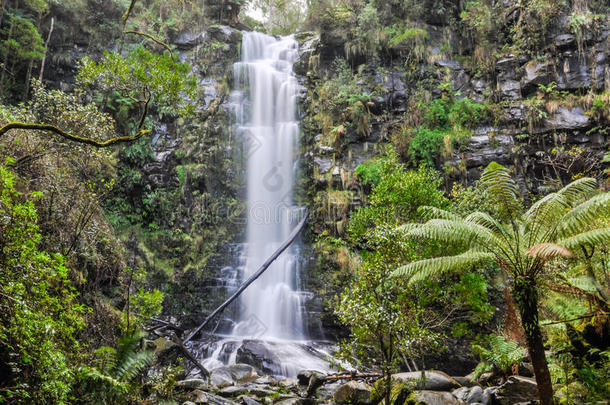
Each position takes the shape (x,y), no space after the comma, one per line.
(154,39)
(72,137)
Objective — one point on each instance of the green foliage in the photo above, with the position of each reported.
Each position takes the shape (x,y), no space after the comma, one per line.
(139,75)
(385,318)
(521,243)
(23,39)
(396,196)
(472,292)
(40,315)
(447,122)
(341,106)
(113,377)
(408,35)
(369,172)
(497,355)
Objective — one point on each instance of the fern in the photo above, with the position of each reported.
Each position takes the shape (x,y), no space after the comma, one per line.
(497,355)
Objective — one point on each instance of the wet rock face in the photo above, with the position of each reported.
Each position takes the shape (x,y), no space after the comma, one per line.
(258,355)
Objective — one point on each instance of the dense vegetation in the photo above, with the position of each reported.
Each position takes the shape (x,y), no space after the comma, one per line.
(416,258)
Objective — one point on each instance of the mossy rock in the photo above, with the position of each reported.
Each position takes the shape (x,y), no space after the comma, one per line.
(399,392)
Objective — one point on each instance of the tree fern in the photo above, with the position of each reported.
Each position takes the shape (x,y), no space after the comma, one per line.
(559,225)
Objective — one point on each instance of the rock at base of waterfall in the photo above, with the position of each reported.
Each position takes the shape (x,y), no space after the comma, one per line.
(246,400)
(235,373)
(192,384)
(353,393)
(516,389)
(437,398)
(431,380)
(309,381)
(473,395)
(258,355)
(201,397)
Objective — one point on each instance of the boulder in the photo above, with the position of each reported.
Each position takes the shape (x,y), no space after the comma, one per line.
(246,400)
(258,355)
(233,391)
(295,401)
(473,395)
(192,384)
(309,381)
(353,393)
(510,89)
(434,380)
(288,383)
(516,389)
(437,398)
(260,390)
(399,391)
(225,34)
(189,40)
(564,40)
(201,397)
(221,377)
(327,391)
(464,381)
(266,380)
(243,373)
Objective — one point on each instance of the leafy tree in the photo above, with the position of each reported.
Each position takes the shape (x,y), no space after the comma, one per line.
(389,321)
(39,314)
(520,243)
(396,194)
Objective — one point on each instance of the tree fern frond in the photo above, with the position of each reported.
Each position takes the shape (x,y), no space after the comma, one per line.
(409,227)
(501,187)
(543,215)
(427,212)
(461,232)
(547,251)
(585,283)
(485,220)
(584,214)
(110,383)
(578,189)
(133,365)
(594,237)
(423,269)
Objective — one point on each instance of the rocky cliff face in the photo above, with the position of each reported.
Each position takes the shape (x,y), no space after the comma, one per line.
(544,124)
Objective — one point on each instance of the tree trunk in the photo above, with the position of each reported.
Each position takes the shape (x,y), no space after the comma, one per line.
(46,50)
(526,296)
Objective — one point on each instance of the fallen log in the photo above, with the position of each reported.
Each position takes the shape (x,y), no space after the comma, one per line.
(352,376)
(293,235)
(190,356)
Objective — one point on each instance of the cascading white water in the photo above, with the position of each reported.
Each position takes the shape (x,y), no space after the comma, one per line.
(270,311)
(272,306)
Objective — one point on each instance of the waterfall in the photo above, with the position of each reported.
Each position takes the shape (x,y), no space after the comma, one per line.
(266,115)
(270,314)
